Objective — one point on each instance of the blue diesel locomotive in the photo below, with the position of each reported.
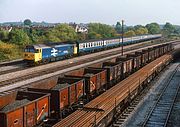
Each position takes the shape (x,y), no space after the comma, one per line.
(45,53)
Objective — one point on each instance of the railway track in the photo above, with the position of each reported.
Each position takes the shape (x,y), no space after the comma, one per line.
(14,62)
(9,67)
(160,112)
(173,119)
(100,57)
(13,68)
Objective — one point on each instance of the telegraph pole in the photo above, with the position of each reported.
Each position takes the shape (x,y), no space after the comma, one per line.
(122,37)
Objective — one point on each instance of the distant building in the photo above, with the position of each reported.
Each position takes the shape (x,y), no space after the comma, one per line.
(6,28)
(80,28)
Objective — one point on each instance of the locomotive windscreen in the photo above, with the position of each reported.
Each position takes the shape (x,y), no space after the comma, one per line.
(29,49)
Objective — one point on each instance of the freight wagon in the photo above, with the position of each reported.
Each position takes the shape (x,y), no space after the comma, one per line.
(136,64)
(114,72)
(24,109)
(95,80)
(64,95)
(127,65)
(145,57)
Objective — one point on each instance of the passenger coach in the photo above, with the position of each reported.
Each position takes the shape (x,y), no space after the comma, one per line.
(45,53)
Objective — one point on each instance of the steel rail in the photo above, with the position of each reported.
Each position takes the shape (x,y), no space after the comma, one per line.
(147,119)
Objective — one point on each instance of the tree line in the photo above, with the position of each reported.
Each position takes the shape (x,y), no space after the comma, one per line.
(17,38)
(64,32)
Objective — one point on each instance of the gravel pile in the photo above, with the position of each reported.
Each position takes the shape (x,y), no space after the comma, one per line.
(60,86)
(14,105)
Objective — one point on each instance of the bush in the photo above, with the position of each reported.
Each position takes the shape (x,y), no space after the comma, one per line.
(9,51)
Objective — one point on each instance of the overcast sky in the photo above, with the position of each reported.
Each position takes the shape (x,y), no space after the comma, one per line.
(104,11)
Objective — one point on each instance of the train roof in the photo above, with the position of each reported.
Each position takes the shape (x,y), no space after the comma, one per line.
(93,40)
(51,44)
(58,43)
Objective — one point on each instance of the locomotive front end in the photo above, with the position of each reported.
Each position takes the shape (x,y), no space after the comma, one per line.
(32,55)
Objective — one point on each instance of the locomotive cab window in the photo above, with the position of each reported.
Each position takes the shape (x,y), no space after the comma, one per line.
(29,50)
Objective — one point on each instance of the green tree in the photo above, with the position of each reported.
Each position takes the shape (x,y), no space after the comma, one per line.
(141,31)
(128,28)
(177,30)
(61,33)
(118,27)
(81,36)
(18,36)
(4,35)
(138,26)
(168,29)
(98,30)
(129,33)
(27,22)
(153,28)
(94,35)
